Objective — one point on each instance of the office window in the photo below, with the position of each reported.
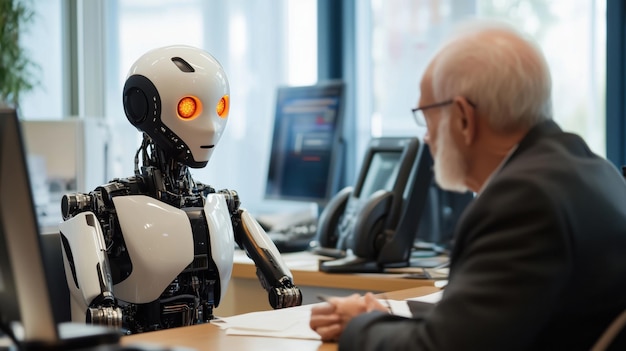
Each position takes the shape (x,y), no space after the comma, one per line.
(404,34)
(43,40)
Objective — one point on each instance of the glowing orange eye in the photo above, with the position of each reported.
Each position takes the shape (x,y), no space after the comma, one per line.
(222,107)
(188,107)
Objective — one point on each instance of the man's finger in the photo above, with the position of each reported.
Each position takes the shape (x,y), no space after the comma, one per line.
(323,308)
(322,320)
(330,333)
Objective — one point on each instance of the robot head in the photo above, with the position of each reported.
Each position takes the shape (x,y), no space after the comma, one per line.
(179,96)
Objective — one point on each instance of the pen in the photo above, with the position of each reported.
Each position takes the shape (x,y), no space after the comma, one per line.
(324,298)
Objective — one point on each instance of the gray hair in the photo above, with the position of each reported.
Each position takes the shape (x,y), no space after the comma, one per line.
(484,63)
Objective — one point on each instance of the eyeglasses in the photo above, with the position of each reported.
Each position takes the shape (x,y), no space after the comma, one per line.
(418,112)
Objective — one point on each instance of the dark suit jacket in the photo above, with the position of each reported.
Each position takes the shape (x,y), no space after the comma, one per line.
(539,260)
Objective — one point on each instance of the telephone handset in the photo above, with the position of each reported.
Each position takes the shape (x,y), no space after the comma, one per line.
(327,229)
(358,222)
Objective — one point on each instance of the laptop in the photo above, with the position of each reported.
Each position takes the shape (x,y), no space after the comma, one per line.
(26,313)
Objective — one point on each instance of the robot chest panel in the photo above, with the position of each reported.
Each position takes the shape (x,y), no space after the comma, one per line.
(160,244)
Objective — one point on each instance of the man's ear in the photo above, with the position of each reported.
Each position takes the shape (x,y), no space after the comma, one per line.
(467,119)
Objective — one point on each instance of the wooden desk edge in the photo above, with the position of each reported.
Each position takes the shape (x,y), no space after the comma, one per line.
(369,282)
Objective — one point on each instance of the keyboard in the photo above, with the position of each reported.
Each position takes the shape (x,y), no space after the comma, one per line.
(293,238)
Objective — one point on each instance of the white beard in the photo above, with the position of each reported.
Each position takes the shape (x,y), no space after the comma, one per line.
(450,167)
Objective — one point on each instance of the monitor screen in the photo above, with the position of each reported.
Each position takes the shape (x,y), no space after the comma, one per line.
(306,146)
(382,173)
(8,308)
(23,286)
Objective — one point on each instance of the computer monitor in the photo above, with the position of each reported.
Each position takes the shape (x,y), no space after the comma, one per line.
(23,279)
(24,285)
(307,150)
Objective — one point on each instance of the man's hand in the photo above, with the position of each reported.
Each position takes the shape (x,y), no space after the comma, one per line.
(330,319)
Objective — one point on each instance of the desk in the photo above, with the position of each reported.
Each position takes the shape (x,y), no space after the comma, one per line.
(209,337)
(245,293)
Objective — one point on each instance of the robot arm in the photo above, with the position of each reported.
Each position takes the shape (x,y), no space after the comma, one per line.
(272,271)
(87,271)
(274,275)
(86,238)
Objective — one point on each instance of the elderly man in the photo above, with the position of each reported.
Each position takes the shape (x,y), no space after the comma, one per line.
(539,261)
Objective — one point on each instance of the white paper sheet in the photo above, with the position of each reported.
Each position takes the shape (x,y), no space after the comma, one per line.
(293,322)
(430,298)
(290,322)
(401,308)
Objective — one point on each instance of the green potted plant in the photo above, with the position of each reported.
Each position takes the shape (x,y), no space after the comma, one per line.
(16,68)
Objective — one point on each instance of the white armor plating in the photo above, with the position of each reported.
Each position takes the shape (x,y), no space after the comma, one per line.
(221,236)
(263,240)
(83,234)
(159,242)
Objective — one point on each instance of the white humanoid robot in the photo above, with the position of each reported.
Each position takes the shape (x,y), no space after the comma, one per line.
(155,250)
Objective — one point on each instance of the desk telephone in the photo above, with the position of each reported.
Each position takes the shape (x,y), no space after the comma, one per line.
(373,224)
